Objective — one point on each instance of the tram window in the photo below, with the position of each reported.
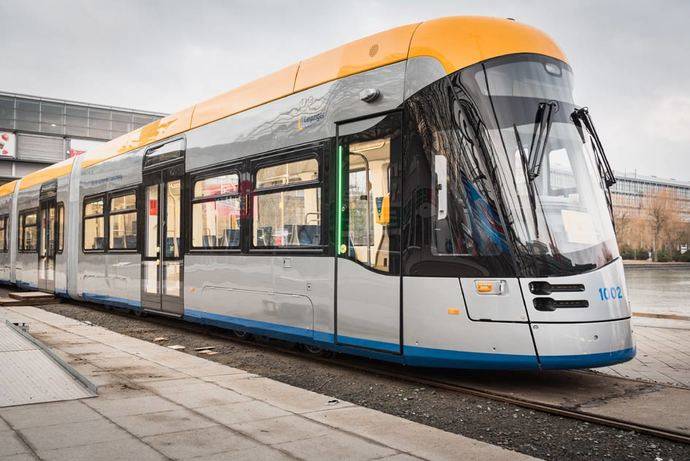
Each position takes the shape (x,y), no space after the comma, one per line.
(122,219)
(369,191)
(216,212)
(291,217)
(94,225)
(288,174)
(28,232)
(61,227)
(173,231)
(217,185)
(161,154)
(561,174)
(288,219)
(3,234)
(464,220)
(151,220)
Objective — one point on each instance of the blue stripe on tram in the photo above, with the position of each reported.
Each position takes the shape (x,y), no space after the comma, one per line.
(412,355)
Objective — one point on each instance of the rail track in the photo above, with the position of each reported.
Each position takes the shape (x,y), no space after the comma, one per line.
(416,376)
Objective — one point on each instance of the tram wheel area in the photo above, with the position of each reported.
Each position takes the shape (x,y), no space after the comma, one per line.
(504,424)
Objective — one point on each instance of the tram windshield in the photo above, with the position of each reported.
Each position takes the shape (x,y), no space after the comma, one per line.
(546,164)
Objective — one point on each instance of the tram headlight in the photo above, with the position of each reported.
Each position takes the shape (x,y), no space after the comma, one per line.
(490,287)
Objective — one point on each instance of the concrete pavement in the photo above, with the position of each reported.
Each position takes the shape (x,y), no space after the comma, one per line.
(663,353)
(158,403)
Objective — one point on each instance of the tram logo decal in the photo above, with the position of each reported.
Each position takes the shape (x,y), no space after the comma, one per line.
(309,120)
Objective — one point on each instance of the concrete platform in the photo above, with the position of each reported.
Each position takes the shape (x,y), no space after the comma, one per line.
(29,295)
(663,353)
(158,403)
(30,298)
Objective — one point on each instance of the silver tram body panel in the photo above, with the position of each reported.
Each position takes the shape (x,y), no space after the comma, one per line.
(436,321)
(112,277)
(26,263)
(7,207)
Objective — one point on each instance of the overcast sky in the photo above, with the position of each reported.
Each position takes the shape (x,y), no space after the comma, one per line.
(631,58)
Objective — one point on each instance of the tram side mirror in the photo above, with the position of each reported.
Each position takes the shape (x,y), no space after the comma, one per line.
(441,170)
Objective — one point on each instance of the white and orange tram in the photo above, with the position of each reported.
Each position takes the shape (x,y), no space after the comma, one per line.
(429,195)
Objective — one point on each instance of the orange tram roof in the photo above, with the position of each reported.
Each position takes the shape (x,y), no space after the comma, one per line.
(456,42)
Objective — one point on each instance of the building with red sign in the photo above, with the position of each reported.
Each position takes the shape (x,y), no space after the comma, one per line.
(37,131)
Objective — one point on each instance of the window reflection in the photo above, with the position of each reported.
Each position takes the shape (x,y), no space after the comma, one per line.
(216,212)
(288,219)
(369,202)
(123,222)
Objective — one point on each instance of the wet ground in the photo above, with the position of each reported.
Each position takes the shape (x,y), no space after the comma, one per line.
(530,432)
(659,289)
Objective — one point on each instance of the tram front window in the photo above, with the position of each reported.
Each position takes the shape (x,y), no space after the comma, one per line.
(549,179)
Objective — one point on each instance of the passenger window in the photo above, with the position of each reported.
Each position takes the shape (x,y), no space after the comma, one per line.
(28,232)
(3,234)
(94,225)
(218,185)
(289,213)
(216,212)
(288,173)
(123,222)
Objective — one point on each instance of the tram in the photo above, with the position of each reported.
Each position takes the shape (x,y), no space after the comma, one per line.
(430,195)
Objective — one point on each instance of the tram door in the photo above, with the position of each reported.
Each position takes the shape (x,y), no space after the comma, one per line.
(162,258)
(368,282)
(47,244)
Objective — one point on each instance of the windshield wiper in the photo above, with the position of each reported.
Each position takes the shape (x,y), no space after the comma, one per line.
(581,117)
(540,136)
(530,185)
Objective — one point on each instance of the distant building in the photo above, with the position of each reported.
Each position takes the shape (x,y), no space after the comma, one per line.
(36,131)
(632,190)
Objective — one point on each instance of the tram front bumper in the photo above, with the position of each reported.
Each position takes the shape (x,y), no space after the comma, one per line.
(583,345)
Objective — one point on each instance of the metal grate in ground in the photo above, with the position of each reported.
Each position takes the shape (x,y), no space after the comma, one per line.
(29,375)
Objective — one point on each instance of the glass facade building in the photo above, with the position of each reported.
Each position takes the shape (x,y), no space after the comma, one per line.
(42,131)
(631,192)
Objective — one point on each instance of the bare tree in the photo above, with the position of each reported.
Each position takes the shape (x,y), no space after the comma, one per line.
(622,218)
(663,219)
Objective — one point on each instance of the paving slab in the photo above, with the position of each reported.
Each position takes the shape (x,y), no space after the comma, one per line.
(4,426)
(199,442)
(202,395)
(11,444)
(164,422)
(253,410)
(281,429)
(260,453)
(337,446)
(137,405)
(157,403)
(414,439)
(20,457)
(48,414)
(72,434)
(289,398)
(120,450)
(663,353)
